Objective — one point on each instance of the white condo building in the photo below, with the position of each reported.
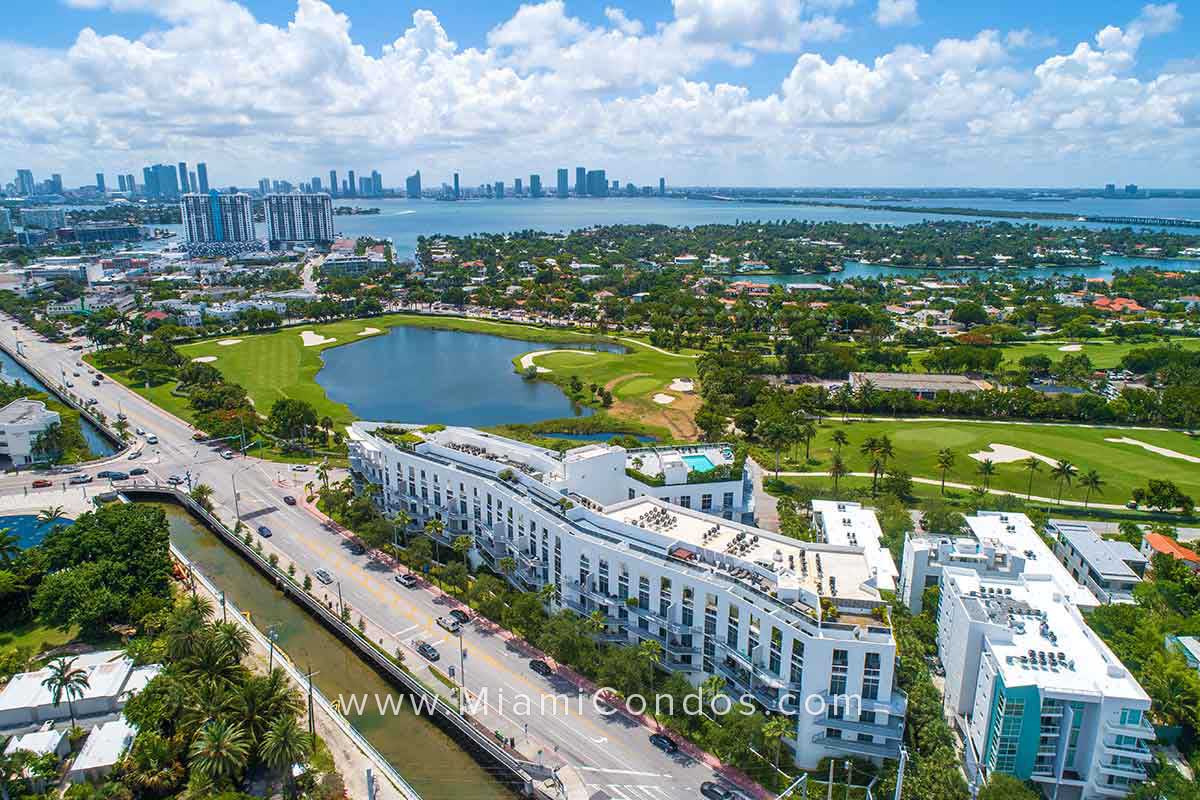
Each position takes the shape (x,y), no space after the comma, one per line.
(299,217)
(215,217)
(1031,689)
(21,423)
(649,539)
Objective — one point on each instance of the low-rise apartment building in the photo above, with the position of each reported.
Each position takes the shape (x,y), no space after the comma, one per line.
(1109,568)
(798,627)
(21,423)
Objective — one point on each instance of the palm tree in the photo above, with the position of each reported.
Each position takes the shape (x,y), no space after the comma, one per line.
(65,679)
(50,515)
(1063,471)
(462,546)
(285,744)
(220,751)
(402,520)
(434,528)
(10,546)
(773,732)
(153,765)
(837,470)
(648,655)
(1032,466)
(596,621)
(986,469)
(232,639)
(807,431)
(840,439)
(1092,481)
(121,427)
(202,493)
(507,566)
(945,461)
(323,474)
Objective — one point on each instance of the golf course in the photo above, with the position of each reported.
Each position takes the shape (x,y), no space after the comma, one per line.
(1123,458)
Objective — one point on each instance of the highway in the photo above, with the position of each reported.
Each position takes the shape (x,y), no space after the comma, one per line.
(611,755)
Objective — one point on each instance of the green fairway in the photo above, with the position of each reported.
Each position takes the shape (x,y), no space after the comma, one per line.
(1122,466)
(1104,353)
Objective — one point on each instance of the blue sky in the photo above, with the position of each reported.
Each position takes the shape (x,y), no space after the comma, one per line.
(728,91)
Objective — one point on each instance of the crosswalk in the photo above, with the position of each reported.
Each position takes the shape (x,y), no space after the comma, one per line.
(631,791)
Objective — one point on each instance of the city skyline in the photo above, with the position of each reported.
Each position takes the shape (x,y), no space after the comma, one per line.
(880,93)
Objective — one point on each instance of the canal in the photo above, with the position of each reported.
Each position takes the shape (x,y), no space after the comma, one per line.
(431,761)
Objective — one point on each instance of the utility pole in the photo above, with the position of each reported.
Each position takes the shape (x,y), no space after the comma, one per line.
(341,605)
(312,729)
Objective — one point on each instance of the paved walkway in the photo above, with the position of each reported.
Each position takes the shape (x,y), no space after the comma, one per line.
(766,505)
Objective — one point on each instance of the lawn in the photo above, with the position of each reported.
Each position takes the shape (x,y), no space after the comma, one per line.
(1104,353)
(916,443)
(36,637)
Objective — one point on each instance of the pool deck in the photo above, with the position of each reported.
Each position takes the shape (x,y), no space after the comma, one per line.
(74,500)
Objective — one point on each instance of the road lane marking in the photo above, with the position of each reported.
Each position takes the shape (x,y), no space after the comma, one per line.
(633,772)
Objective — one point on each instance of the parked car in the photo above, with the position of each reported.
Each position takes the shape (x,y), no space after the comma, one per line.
(139,471)
(264,531)
(541,667)
(152,439)
(450,624)
(427,650)
(42,483)
(82,478)
(138,430)
(356,549)
(135,455)
(289,500)
(407,580)
(323,576)
(198,437)
(715,791)
(105,473)
(460,615)
(118,476)
(121,416)
(300,468)
(664,743)
(175,480)
(95,381)
(227,454)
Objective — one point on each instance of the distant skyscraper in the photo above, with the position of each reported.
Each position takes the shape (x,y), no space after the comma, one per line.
(535,185)
(121,182)
(100,182)
(364,186)
(345,187)
(333,182)
(456,189)
(165,182)
(25,181)
(580,181)
(615,187)
(299,217)
(130,186)
(662,186)
(351,182)
(192,182)
(264,186)
(564,180)
(412,185)
(202,176)
(517,187)
(1131,188)
(499,190)
(184,186)
(376,183)
(597,184)
(150,182)
(56,184)
(215,217)
(315,184)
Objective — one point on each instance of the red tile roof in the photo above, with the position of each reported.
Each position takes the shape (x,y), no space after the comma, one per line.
(1168,546)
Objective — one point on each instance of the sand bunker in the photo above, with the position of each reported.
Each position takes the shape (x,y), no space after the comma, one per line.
(1162,451)
(312,339)
(1007,454)
(227,342)
(682,385)
(663,399)
(204,359)
(369,331)
(527,359)
(1070,348)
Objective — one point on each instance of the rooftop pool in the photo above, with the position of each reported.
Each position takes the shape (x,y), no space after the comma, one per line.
(699,463)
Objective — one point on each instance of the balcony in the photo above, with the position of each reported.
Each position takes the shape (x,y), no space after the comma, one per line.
(896,707)
(1115,790)
(1140,730)
(892,729)
(1140,753)
(856,748)
(1131,771)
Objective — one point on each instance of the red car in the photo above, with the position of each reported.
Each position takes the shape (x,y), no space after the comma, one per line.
(42,483)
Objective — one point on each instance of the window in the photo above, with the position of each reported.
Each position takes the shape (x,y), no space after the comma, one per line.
(706,502)
(685,501)
(727,500)
(776,654)
(871,677)
(731,631)
(838,673)
(643,592)
(1131,716)
(797,675)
